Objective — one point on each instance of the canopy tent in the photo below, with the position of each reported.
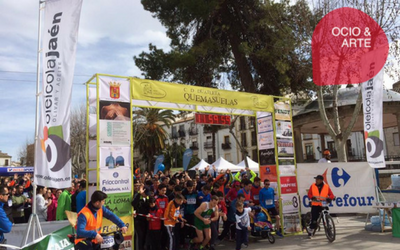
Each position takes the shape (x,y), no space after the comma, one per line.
(222,164)
(201,165)
(252,164)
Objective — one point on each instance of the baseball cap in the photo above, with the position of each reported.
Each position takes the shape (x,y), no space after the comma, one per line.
(319,177)
(236,184)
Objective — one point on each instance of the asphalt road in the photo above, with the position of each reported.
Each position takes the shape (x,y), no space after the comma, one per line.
(350,234)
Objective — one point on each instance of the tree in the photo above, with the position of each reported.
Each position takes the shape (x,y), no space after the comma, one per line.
(78,139)
(26,154)
(148,133)
(255,46)
(386,14)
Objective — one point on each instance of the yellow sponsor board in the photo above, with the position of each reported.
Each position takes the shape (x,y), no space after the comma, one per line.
(148,90)
(108,226)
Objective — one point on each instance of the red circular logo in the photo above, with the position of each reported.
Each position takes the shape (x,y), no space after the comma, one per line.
(348,47)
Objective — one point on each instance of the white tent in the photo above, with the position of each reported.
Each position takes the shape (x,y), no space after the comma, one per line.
(252,164)
(222,164)
(201,165)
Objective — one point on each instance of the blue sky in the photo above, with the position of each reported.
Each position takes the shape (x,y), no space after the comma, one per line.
(110,34)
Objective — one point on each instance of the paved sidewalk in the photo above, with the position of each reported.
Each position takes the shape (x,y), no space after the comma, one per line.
(350,234)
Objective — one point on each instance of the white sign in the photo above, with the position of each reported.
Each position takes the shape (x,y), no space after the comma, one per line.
(266,140)
(290,203)
(287,170)
(113,181)
(264,124)
(114,89)
(285,147)
(115,133)
(53,150)
(352,184)
(373,129)
(115,157)
(284,129)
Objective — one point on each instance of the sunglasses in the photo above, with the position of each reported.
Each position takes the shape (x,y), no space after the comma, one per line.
(6,194)
(266,184)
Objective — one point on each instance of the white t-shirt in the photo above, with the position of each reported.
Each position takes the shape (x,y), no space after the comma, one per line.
(243,219)
(324,160)
(41,207)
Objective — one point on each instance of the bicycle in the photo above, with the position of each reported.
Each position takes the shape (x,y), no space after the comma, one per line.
(327,220)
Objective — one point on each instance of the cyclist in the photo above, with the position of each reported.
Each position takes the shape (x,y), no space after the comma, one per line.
(88,227)
(318,191)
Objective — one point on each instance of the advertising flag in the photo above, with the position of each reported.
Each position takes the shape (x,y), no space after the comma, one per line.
(60,35)
(159,160)
(187,156)
(372,93)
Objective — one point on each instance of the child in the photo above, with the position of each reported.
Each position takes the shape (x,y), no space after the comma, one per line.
(242,225)
(154,219)
(172,215)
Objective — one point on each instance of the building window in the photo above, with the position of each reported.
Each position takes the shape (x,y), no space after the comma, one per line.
(226,139)
(253,138)
(255,155)
(309,151)
(242,123)
(228,157)
(243,140)
(307,136)
(252,122)
(396,140)
(174,133)
(6,163)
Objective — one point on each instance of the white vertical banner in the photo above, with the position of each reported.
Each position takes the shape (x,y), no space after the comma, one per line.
(59,41)
(372,93)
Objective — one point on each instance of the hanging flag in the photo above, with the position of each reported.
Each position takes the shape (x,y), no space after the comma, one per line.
(187,156)
(372,93)
(159,160)
(59,40)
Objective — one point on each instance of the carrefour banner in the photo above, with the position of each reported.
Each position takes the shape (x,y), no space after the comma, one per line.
(373,130)
(60,35)
(143,89)
(352,184)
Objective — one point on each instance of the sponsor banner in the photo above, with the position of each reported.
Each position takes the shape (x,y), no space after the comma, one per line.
(264,124)
(119,204)
(266,140)
(93,98)
(144,89)
(287,170)
(92,150)
(93,176)
(56,240)
(282,111)
(353,184)
(291,223)
(59,39)
(127,244)
(117,111)
(114,157)
(288,184)
(115,133)
(262,114)
(108,226)
(9,171)
(285,147)
(114,89)
(373,118)
(268,172)
(290,203)
(159,160)
(92,125)
(187,156)
(114,181)
(284,129)
(267,156)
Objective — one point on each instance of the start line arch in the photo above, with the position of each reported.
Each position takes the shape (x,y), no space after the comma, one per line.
(109,163)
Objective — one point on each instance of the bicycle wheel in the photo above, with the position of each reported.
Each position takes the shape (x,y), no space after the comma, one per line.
(330,230)
(271,238)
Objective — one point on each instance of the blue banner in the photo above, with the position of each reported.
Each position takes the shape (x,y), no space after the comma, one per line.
(9,171)
(159,160)
(187,156)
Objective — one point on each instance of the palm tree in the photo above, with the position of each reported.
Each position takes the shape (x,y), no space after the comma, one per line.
(148,133)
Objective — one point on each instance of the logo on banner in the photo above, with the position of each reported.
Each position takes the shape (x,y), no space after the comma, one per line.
(151,91)
(336,177)
(57,151)
(115,91)
(374,143)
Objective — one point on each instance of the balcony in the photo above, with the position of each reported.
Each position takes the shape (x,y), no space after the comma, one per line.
(181,133)
(226,145)
(193,131)
(194,147)
(208,144)
(207,130)
(174,136)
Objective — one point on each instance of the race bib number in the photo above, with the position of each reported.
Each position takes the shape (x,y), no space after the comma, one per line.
(108,241)
(269,202)
(256,197)
(177,213)
(246,203)
(162,204)
(9,203)
(191,201)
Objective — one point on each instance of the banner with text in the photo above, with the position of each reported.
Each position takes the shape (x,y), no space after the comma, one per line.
(372,92)
(352,183)
(60,36)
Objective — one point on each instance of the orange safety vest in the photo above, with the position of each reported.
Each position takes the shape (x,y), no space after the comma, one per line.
(318,195)
(92,224)
(247,196)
